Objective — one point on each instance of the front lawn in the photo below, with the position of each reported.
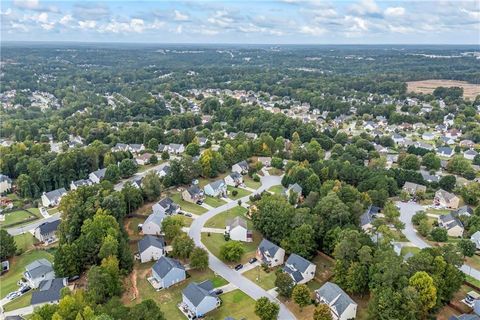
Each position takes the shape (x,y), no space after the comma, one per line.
(275,172)
(25,241)
(8,281)
(214,202)
(18,217)
(240,193)
(21,302)
(265,280)
(277,189)
(412,250)
(215,241)
(219,221)
(249,182)
(235,304)
(187,206)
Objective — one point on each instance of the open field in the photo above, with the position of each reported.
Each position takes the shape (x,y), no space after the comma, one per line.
(470,90)
(215,241)
(219,221)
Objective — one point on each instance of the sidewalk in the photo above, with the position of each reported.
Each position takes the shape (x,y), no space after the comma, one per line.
(213,230)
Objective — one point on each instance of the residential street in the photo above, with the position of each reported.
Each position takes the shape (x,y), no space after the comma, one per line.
(31,226)
(407,210)
(222,269)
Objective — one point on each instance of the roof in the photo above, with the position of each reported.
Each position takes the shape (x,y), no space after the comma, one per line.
(82,182)
(465,317)
(267,246)
(100,173)
(163,266)
(295,266)
(445,194)
(235,175)
(243,164)
(445,150)
(175,146)
(335,297)
(155,218)
(5,178)
(465,210)
(193,190)
(450,221)
(55,194)
(150,241)
(48,291)
(49,227)
(39,267)
(476,236)
(215,185)
(196,292)
(237,221)
(295,188)
(165,202)
(368,215)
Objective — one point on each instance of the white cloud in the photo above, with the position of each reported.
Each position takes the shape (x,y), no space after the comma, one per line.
(206,31)
(26,4)
(400,29)
(134,25)
(19,26)
(87,24)
(395,11)
(178,16)
(471,14)
(314,31)
(65,20)
(364,7)
(179,29)
(356,24)
(221,19)
(43,17)
(48,26)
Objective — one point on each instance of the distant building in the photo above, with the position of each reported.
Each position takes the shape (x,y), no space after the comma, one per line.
(5,183)
(452,224)
(234,179)
(74,185)
(241,167)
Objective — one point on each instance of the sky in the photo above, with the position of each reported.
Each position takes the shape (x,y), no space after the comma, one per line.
(249,22)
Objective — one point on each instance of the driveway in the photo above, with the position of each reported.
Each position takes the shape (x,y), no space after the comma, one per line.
(232,276)
(407,210)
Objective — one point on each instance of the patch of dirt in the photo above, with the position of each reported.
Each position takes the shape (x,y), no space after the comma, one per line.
(470,90)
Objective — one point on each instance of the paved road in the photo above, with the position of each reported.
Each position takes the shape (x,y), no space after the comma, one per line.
(31,226)
(119,186)
(232,276)
(407,210)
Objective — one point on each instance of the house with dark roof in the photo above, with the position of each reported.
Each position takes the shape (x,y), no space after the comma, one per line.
(470,154)
(166,272)
(74,185)
(163,171)
(193,194)
(5,183)
(198,299)
(166,206)
(48,291)
(234,179)
(175,148)
(52,198)
(367,218)
(136,147)
(300,269)
(217,188)
(475,238)
(445,151)
(237,229)
(38,271)
(153,224)
(342,307)
(452,224)
(120,147)
(241,167)
(151,248)
(97,176)
(446,199)
(46,232)
(463,211)
(270,254)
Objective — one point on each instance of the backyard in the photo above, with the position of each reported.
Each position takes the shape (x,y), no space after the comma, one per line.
(215,241)
(219,221)
(235,304)
(19,217)
(25,241)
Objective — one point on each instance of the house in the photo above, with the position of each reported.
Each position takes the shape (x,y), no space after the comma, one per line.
(241,167)
(120,147)
(429,177)
(476,239)
(175,148)
(238,231)
(447,140)
(143,159)
(202,141)
(136,148)
(217,188)
(5,183)
(366,219)
(413,188)
(163,171)
(167,272)
(151,248)
(234,179)
(266,161)
(398,138)
(445,152)
(470,154)
(428,136)
(463,211)
(467,143)
(48,291)
(198,299)
(153,224)
(166,206)
(270,254)
(38,271)
(453,133)
(97,176)
(446,199)
(451,223)
(46,232)
(294,188)
(52,198)
(193,194)
(74,185)
(137,182)
(342,307)
(300,269)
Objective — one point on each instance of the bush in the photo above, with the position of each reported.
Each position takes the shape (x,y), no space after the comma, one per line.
(256,178)
(234,193)
(439,235)
(418,217)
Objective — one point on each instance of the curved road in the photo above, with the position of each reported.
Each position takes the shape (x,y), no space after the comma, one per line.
(232,276)
(407,210)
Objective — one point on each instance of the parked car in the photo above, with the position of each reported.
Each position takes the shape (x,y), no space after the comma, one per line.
(25,289)
(252,260)
(188,214)
(13,295)
(218,291)
(199,202)
(180,212)
(238,267)
(73,278)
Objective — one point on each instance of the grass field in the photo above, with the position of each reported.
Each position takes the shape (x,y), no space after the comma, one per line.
(473,261)
(265,280)
(16,217)
(235,304)
(406,250)
(277,189)
(167,299)
(241,193)
(470,90)
(219,220)
(18,303)
(438,211)
(214,202)
(25,241)
(250,183)
(215,241)
(187,206)
(8,282)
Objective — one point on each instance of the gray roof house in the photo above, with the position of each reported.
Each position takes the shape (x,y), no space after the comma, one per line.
(413,188)
(300,269)
(166,206)
(198,299)
(476,239)
(452,224)
(46,231)
(74,185)
(234,179)
(167,272)
(193,194)
(429,177)
(270,254)
(151,248)
(153,224)
(5,183)
(53,198)
(48,291)
(97,176)
(341,305)
(463,211)
(366,219)
(38,271)
(216,188)
(238,231)
(241,167)
(445,151)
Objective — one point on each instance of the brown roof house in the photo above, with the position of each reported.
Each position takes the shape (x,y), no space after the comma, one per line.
(446,199)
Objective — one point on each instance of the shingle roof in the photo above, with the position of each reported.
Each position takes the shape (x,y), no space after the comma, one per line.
(82,182)
(55,194)
(48,227)
(38,268)
(295,188)
(163,266)
(335,297)
(193,190)
(100,173)
(217,184)
(237,221)
(5,178)
(243,164)
(295,266)
(150,241)
(155,218)
(445,194)
(48,291)
(267,246)
(196,292)
(235,175)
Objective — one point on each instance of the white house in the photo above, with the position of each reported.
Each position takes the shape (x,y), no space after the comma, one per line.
(270,254)
(143,159)
(167,272)
(151,248)
(153,224)
(428,136)
(163,171)
(241,167)
(5,183)
(237,229)
(97,176)
(175,148)
(74,185)
(234,179)
(216,189)
(47,231)
(166,206)
(445,152)
(198,299)
(476,239)
(38,271)
(470,154)
(52,198)
(300,269)
(342,307)
(451,223)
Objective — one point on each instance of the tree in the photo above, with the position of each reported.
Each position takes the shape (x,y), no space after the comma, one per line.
(104,281)
(357,278)
(112,173)
(427,292)
(447,182)
(109,247)
(322,312)
(439,234)
(232,251)
(7,245)
(165,155)
(132,196)
(284,284)
(424,227)
(419,216)
(301,295)
(266,309)
(212,163)
(151,186)
(277,163)
(172,227)
(410,162)
(146,310)
(301,241)
(153,144)
(153,159)
(272,215)
(127,167)
(467,247)
(199,259)
(192,149)
(431,161)
(182,246)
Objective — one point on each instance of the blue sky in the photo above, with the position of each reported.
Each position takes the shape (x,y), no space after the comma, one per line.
(281,22)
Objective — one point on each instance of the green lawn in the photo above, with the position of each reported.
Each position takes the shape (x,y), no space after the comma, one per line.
(187,206)
(21,302)
(277,189)
(219,221)
(214,202)
(473,261)
(215,241)
(235,304)
(25,241)
(16,217)
(52,211)
(275,172)
(406,250)
(167,299)
(265,280)
(8,281)
(438,211)
(250,183)
(241,193)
